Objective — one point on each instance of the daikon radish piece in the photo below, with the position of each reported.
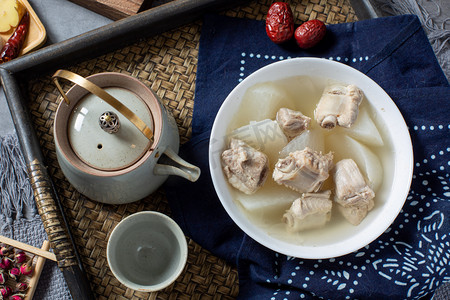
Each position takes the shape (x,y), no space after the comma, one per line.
(270,197)
(313,139)
(364,130)
(11,11)
(265,136)
(369,164)
(263,100)
(303,90)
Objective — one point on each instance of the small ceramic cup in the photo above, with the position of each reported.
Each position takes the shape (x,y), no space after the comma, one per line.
(147,251)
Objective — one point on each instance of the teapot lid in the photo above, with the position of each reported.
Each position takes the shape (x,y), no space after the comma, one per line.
(102,137)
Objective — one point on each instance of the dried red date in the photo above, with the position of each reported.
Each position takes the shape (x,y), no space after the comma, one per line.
(310,33)
(280,22)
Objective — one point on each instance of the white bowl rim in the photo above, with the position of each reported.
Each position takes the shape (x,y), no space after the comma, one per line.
(403,162)
(183,255)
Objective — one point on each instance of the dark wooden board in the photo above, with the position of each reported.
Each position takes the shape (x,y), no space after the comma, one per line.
(115,9)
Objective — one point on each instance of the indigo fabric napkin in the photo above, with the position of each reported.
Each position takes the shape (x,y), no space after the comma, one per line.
(412,257)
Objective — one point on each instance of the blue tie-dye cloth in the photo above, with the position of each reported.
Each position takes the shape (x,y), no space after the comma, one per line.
(412,257)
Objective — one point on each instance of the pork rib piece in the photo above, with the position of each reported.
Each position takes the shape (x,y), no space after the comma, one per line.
(355,214)
(339,105)
(353,194)
(292,122)
(312,210)
(245,167)
(303,171)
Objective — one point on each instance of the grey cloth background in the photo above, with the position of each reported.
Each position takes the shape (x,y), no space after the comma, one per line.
(64,19)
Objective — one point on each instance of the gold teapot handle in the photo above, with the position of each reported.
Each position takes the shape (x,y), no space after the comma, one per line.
(102,94)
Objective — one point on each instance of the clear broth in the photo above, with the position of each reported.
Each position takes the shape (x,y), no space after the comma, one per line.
(305,92)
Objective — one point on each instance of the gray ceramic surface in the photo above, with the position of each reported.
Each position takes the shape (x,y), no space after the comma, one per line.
(147,251)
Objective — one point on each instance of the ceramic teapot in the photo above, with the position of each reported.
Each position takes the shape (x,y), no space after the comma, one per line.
(115,141)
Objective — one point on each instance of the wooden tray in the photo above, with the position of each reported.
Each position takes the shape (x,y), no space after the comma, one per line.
(115,9)
(37,34)
(159,47)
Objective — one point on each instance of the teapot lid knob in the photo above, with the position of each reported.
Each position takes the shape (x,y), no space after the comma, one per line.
(109,122)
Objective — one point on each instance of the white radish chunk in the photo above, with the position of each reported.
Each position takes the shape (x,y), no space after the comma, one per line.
(304,91)
(313,139)
(369,164)
(263,100)
(265,136)
(364,130)
(270,197)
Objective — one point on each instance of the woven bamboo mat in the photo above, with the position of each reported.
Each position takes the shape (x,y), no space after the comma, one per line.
(167,63)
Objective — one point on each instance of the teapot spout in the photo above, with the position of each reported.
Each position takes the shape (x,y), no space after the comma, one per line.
(171,164)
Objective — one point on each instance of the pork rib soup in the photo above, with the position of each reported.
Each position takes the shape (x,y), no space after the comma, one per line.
(348,140)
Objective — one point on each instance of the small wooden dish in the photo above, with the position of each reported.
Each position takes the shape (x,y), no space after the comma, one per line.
(36,35)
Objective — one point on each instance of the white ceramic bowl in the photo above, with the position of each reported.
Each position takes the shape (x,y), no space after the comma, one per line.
(147,251)
(346,238)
